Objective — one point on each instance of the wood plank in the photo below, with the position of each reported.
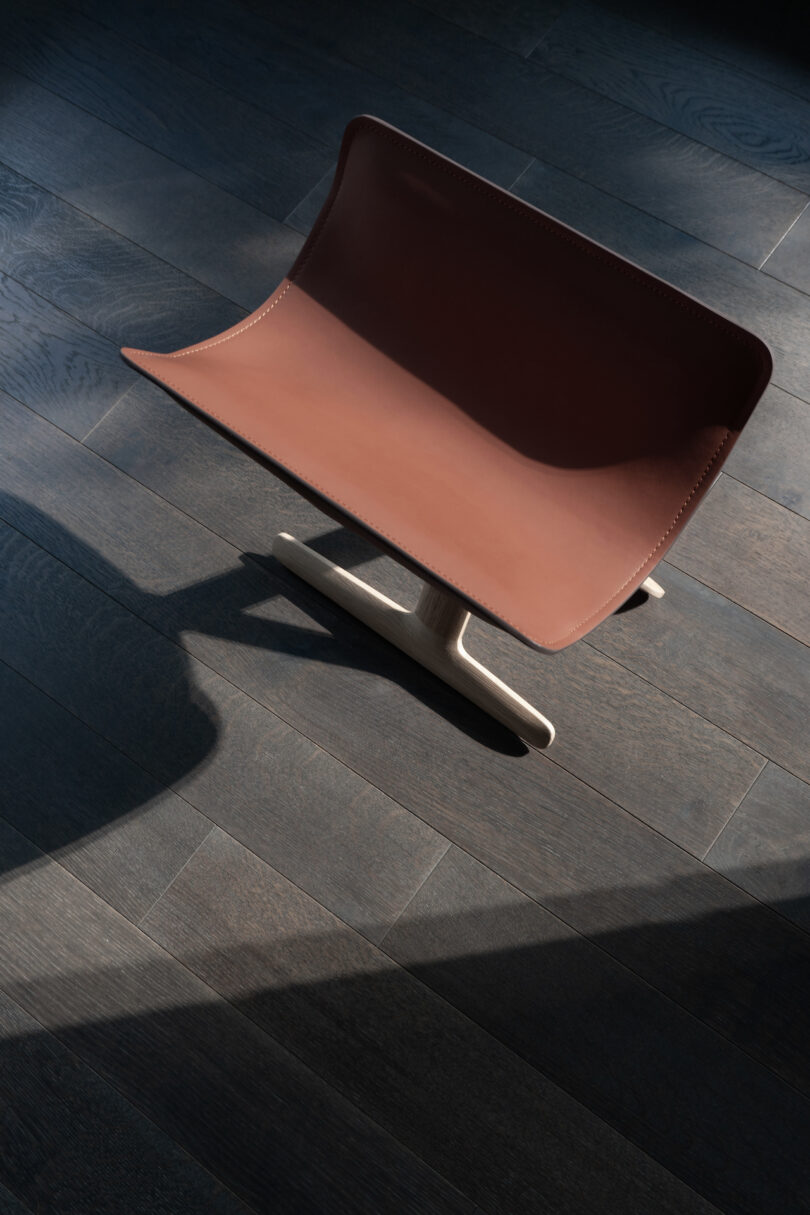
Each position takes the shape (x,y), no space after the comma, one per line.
(732,963)
(240,252)
(654,757)
(774,451)
(753,551)
(262,1123)
(309,208)
(765,846)
(684,89)
(516,25)
(100,278)
(308,88)
(173,452)
(514,1141)
(776,312)
(55,364)
(640,1062)
(772,50)
(237,763)
(556,120)
(235,146)
(527,819)
(790,260)
(72,1144)
(9,1205)
(103,818)
(523,819)
(725,663)
(686,777)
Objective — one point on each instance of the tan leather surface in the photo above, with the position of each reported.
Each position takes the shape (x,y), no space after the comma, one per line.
(528,417)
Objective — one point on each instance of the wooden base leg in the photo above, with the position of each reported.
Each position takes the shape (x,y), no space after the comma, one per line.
(652,588)
(432,634)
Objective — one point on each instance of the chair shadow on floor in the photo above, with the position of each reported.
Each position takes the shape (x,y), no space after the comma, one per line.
(68,644)
(571,1008)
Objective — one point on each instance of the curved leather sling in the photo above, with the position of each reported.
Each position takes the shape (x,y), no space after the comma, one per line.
(519,414)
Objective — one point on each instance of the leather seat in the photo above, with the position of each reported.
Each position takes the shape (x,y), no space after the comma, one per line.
(521,414)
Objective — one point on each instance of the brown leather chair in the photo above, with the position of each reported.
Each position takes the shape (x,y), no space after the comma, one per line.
(518,414)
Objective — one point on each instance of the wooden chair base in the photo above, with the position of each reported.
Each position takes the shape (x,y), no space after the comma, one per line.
(432,634)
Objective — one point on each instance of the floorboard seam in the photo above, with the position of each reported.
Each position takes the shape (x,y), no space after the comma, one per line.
(105,1080)
(595,941)
(528,895)
(104,416)
(139,922)
(781,238)
(684,705)
(730,817)
(285,717)
(459,1012)
(696,49)
(761,493)
(123,38)
(278,714)
(155,151)
(65,202)
(673,561)
(542,68)
(401,913)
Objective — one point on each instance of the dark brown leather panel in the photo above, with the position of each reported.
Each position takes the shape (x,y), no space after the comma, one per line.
(526,416)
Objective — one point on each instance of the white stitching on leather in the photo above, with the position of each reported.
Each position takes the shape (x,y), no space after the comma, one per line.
(181,354)
(583,244)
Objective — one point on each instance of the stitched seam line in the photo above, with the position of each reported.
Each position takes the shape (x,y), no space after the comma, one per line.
(182,354)
(429,566)
(581,243)
(303,258)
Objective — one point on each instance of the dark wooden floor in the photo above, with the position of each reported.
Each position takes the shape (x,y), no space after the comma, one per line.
(285,925)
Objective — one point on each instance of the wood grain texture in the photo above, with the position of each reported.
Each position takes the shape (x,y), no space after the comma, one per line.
(235,146)
(686,777)
(231,247)
(502,1133)
(9,1205)
(103,818)
(663,763)
(790,260)
(766,845)
(311,89)
(73,1144)
(431,757)
(209,1078)
(175,453)
(678,86)
(236,762)
(309,208)
(725,663)
(753,551)
(556,120)
(106,282)
(643,1064)
(772,50)
(773,310)
(773,453)
(527,820)
(577,854)
(517,25)
(55,364)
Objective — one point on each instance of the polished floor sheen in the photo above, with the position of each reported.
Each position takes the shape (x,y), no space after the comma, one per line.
(286,925)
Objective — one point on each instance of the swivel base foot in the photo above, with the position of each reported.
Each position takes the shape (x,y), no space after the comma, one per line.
(432,634)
